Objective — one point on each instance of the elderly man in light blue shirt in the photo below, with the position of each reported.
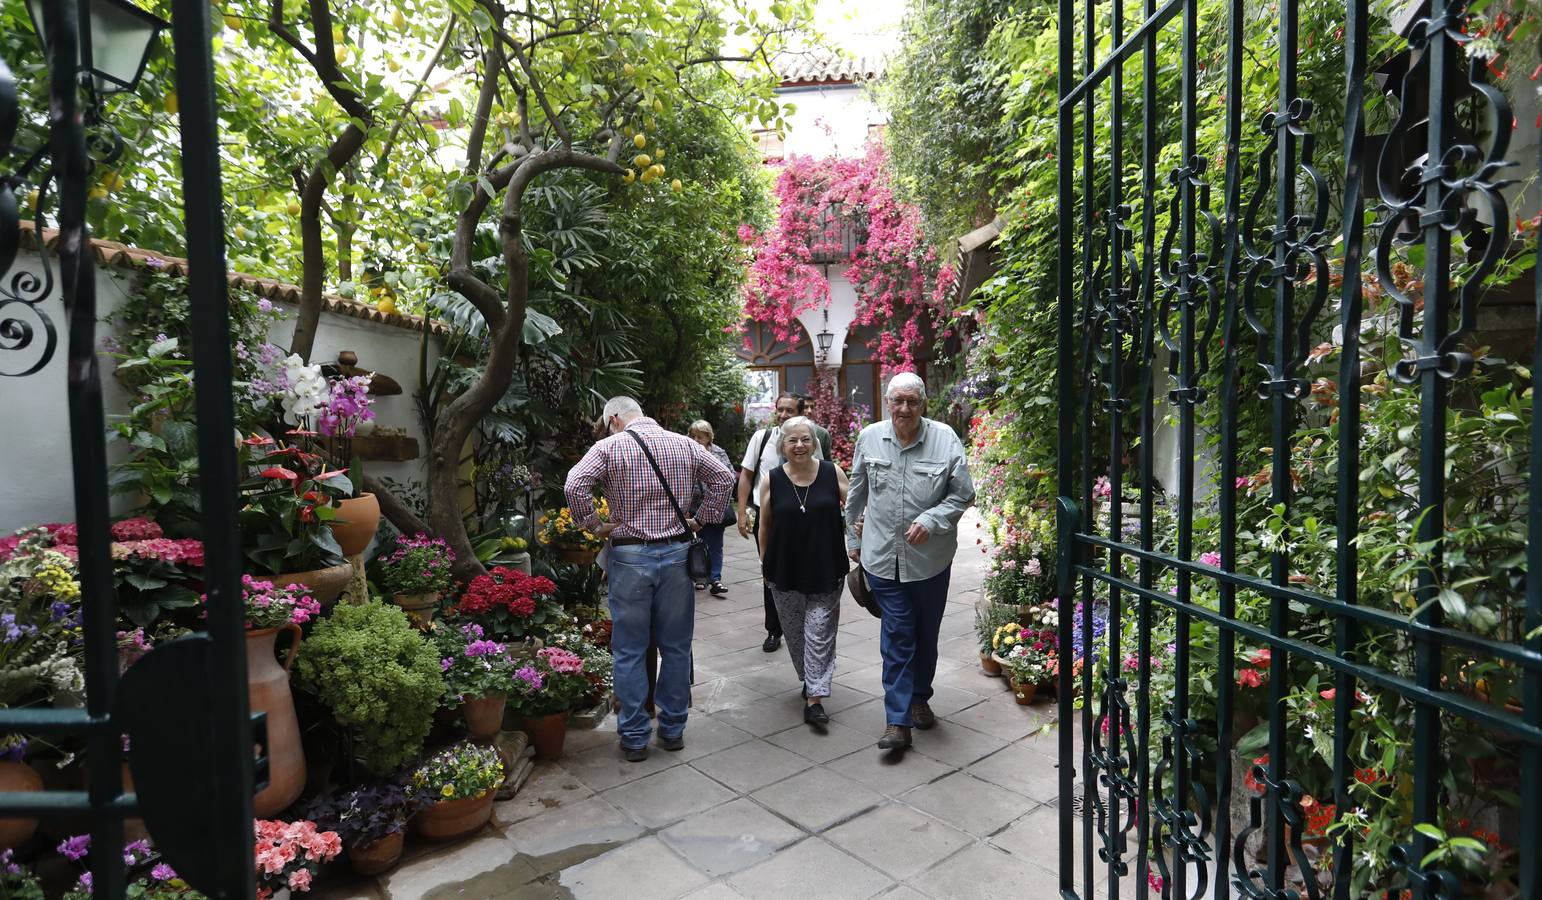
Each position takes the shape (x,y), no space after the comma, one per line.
(909,487)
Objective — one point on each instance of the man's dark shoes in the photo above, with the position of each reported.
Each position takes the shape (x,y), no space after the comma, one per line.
(923,717)
(895,737)
(718,589)
(814,714)
(635,754)
(672,743)
(773,641)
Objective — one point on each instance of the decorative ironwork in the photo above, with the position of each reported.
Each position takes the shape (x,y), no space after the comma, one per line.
(23,321)
(1259,265)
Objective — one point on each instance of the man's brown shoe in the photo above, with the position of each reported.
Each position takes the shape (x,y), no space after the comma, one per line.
(895,737)
(921,714)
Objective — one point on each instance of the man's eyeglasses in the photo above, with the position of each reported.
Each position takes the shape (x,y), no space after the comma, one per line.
(904,402)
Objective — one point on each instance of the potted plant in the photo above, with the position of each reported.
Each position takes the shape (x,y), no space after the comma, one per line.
(416,573)
(599,667)
(379,676)
(290,853)
(270,610)
(371,820)
(569,542)
(16,777)
(511,605)
(458,784)
(287,505)
(476,676)
(544,691)
(988,617)
(338,418)
(1029,658)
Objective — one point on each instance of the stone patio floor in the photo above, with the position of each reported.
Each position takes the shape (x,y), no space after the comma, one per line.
(759,805)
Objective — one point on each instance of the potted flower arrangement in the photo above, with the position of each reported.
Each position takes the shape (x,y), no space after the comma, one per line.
(416,573)
(988,618)
(272,609)
(147,875)
(153,574)
(511,605)
(476,676)
(599,667)
(1029,658)
(544,691)
(569,542)
(290,853)
(459,784)
(371,820)
(287,506)
(338,418)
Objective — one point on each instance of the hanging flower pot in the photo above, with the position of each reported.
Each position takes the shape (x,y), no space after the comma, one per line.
(547,734)
(325,584)
(376,856)
(17,777)
(358,518)
(267,684)
(419,607)
(990,664)
(484,715)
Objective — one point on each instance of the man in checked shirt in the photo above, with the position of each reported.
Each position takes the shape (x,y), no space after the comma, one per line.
(650,588)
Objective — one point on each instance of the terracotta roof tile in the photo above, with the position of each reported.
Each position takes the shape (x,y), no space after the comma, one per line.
(824,67)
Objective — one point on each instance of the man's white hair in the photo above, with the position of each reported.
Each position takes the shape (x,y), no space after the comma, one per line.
(624,407)
(905,381)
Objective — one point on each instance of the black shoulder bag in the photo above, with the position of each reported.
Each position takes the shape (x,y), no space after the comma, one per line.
(696,554)
(755,475)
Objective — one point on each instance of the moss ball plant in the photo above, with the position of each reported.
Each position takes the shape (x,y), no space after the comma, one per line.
(379,676)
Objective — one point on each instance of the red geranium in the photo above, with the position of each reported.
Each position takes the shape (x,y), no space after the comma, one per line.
(504,599)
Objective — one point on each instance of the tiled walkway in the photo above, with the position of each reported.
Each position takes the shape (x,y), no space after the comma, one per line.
(758,805)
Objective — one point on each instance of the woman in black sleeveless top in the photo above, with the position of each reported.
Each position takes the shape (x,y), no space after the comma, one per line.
(803,556)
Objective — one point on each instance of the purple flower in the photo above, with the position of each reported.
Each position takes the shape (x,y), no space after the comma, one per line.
(162,872)
(6,866)
(265,305)
(132,852)
(446,663)
(530,677)
(483,648)
(1211,559)
(76,847)
(84,884)
(11,632)
(154,262)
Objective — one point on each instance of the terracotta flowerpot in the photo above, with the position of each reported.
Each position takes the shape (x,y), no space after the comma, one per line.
(451,819)
(325,584)
(419,607)
(17,777)
(989,664)
(358,518)
(578,556)
(520,561)
(376,856)
(1023,693)
(547,734)
(267,683)
(484,716)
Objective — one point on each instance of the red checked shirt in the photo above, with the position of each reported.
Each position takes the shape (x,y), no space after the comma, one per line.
(638,505)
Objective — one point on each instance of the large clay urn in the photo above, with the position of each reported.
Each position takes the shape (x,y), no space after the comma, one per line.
(325,584)
(17,777)
(267,683)
(358,518)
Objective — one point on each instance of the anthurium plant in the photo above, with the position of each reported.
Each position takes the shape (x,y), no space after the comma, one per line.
(287,502)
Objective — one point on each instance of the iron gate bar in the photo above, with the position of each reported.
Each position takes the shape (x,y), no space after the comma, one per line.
(1143,35)
(1089,287)
(1531,683)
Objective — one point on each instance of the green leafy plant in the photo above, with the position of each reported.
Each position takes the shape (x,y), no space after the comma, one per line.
(286,505)
(473,666)
(462,770)
(379,676)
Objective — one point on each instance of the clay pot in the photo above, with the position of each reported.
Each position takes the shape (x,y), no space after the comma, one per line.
(520,561)
(578,556)
(1023,693)
(267,684)
(989,664)
(17,777)
(376,856)
(484,716)
(547,734)
(451,819)
(358,518)
(325,584)
(419,607)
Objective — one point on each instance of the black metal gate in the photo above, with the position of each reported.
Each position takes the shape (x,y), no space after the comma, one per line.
(1164,291)
(183,706)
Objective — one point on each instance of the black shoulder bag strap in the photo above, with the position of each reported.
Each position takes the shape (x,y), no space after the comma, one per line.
(698,548)
(755,475)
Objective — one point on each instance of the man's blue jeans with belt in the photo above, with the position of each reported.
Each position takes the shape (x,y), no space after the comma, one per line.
(651,595)
(912,617)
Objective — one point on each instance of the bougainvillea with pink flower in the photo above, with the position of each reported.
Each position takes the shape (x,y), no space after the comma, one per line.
(901,286)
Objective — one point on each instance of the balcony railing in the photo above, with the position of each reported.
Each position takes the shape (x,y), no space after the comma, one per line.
(838,234)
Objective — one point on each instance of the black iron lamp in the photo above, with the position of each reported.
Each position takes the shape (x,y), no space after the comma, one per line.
(824,339)
(116,44)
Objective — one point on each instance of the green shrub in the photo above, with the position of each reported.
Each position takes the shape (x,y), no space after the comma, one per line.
(379,676)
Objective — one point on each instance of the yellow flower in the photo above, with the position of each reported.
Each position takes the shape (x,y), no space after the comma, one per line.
(448,790)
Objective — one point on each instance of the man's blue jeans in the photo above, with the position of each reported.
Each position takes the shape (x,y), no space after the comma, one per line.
(651,596)
(912,616)
(712,536)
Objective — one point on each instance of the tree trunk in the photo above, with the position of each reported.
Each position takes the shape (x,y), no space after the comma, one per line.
(313,248)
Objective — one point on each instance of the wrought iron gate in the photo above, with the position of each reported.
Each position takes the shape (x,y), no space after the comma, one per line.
(1163,288)
(183,707)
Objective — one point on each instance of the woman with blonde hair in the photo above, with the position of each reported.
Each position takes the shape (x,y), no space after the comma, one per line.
(712,533)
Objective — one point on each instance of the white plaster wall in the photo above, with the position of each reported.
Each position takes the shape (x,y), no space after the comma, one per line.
(843,311)
(37,484)
(830,120)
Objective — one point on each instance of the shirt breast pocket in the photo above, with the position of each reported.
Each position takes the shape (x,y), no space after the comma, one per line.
(880,473)
(931,482)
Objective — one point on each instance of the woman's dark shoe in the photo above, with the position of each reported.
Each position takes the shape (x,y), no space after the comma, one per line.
(718,589)
(895,737)
(814,714)
(773,641)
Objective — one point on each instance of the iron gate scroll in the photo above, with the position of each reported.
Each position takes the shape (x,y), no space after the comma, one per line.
(1166,285)
(183,706)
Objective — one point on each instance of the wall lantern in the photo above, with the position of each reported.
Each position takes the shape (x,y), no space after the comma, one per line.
(118,46)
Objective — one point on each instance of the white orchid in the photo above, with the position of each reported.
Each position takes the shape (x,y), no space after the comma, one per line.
(306,392)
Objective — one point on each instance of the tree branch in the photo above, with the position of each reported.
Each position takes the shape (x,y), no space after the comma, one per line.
(396,512)
(433,63)
(485,97)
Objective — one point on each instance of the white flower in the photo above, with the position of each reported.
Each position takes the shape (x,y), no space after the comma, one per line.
(1482,48)
(306,392)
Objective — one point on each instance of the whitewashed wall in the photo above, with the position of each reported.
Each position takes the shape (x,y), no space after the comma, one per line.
(36,484)
(830,120)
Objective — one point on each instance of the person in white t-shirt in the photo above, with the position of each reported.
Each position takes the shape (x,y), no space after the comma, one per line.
(760,457)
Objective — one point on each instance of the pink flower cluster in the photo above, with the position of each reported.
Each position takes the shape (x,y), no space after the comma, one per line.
(561,661)
(288,851)
(274,607)
(347,407)
(138,528)
(185,551)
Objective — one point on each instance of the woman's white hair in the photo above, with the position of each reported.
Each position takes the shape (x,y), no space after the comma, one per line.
(905,381)
(788,426)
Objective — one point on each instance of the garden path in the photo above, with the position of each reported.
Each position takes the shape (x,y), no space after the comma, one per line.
(758,805)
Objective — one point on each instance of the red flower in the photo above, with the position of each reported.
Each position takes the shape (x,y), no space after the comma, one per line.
(1253,784)
(1250,678)
(1261,658)
(258,440)
(1368,776)
(280,472)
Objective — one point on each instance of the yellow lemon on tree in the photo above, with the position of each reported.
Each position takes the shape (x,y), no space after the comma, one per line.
(642,160)
(240,232)
(422,246)
(32,199)
(341,55)
(406,181)
(386,306)
(169,102)
(629,69)
(293,208)
(337,34)
(658,106)
(97,193)
(393,65)
(397,19)
(629,177)
(429,190)
(676,186)
(647,176)
(232,21)
(658,154)
(641,140)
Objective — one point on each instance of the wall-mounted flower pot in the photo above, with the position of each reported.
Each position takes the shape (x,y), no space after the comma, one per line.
(419,607)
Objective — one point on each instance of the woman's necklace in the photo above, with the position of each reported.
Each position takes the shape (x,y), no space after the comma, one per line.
(803,497)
